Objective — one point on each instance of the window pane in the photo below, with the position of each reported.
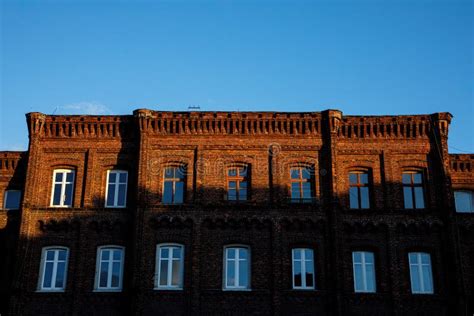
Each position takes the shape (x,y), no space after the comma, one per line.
(307,190)
(308,254)
(115,274)
(354,197)
(117,254)
(243,195)
(50,255)
(176,273)
(297,254)
(12,199)
(180,172)
(121,195)
(406,178)
(243,185)
(243,253)
(407,197)
(232,195)
(297,273)
(169,172)
(163,272)
(62,255)
(369,257)
(231,273)
(164,253)
(58,177)
(123,177)
(243,172)
(417,178)
(60,273)
(295,191)
(69,176)
(68,192)
(415,279)
(111,195)
(232,185)
(179,194)
(48,275)
(427,278)
(231,253)
(105,255)
(464,201)
(104,272)
(358,279)
(364,178)
(419,200)
(168,192)
(353,178)
(309,279)
(232,172)
(57,194)
(112,177)
(357,257)
(243,273)
(370,275)
(364,197)
(295,173)
(306,173)
(425,258)
(176,253)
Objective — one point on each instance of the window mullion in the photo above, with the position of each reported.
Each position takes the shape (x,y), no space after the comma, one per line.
(170,267)
(236,268)
(55,267)
(364,274)
(117,183)
(303,269)
(63,189)
(420,273)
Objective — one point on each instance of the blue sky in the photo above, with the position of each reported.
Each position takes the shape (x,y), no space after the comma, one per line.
(362,57)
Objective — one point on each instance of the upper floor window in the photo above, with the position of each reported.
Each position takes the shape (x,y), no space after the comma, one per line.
(302,184)
(63,188)
(413,189)
(464,201)
(109,270)
(116,190)
(173,185)
(237,268)
(421,276)
(53,269)
(169,267)
(359,189)
(237,183)
(303,268)
(364,271)
(12,199)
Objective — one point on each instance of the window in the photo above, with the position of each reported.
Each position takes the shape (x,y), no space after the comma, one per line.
(302,180)
(420,273)
(173,185)
(359,190)
(464,201)
(116,190)
(53,269)
(303,268)
(364,272)
(63,188)
(237,180)
(109,270)
(12,199)
(413,189)
(236,268)
(169,268)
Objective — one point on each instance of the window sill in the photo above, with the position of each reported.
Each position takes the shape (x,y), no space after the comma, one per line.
(107,290)
(236,290)
(50,291)
(304,289)
(168,288)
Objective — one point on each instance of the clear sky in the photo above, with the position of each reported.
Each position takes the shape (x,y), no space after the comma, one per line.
(362,57)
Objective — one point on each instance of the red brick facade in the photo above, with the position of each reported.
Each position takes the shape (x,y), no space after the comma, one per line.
(206,143)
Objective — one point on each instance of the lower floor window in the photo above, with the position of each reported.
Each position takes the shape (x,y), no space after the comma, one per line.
(364,271)
(109,268)
(421,276)
(237,268)
(169,268)
(303,268)
(53,269)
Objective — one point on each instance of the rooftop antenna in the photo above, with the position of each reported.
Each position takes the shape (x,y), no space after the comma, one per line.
(194,107)
(55,109)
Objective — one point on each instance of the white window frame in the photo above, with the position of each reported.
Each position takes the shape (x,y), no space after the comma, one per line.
(364,265)
(418,265)
(108,287)
(237,262)
(471,195)
(117,184)
(55,261)
(5,200)
(169,285)
(63,187)
(303,261)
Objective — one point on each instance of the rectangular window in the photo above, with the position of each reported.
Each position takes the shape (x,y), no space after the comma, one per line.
(359,190)
(109,270)
(173,185)
(169,269)
(421,276)
(237,183)
(236,268)
(63,188)
(413,192)
(302,184)
(116,192)
(364,272)
(12,199)
(53,269)
(303,268)
(464,201)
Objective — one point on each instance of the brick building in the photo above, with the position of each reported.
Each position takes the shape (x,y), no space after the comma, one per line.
(237,213)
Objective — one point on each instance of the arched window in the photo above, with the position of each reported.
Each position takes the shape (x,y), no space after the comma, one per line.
(116,189)
(413,190)
(109,269)
(53,269)
(303,268)
(364,271)
(237,183)
(236,267)
(421,275)
(169,267)
(174,184)
(63,188)
(302,184)
(359,190)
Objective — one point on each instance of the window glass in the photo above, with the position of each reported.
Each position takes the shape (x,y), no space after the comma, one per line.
(359,190)
(236,268)
(413,191)
(109,268)
(12,199)
(363,271)
(169,267)
(464,201)
(116,188)
(53,273)
(173,185)
(303,268)
(63,188)
(302,184)
(421,275)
